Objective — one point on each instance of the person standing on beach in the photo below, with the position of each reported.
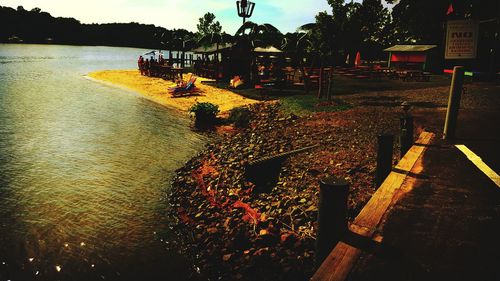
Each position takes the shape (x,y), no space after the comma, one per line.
(140,63)
(146,67)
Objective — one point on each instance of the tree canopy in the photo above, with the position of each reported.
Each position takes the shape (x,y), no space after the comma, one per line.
(208,25)
(36,26)
(349,27)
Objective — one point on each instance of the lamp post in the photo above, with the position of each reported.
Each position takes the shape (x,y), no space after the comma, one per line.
(245,8)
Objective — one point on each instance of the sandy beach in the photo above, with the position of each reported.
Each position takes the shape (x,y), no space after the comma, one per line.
(155,89)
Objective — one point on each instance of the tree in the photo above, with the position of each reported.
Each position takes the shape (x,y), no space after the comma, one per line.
(423,21)
(351,27)
(259,35)
(373,20)
(208,26)
(36,26)
(309,45)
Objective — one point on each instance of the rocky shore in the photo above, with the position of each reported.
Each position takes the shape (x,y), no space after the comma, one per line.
(235,233)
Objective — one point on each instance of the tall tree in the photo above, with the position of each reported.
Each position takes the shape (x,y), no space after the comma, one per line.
(423,21)
(373,19)
(207,25)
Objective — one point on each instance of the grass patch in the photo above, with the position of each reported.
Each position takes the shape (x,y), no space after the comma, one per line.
(306,104)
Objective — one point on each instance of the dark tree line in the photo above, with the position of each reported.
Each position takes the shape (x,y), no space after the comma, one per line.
(36,26)
(369,27)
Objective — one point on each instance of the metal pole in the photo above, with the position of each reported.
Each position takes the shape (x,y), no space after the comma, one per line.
(384,158)
(332,215)
(453,103)
(320,88)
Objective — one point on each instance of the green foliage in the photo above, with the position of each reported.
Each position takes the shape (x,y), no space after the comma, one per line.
(36,26)
(353,27)
(240,116)
(204,107)
(204,112)
(259,35)
(207,25)
(423,21)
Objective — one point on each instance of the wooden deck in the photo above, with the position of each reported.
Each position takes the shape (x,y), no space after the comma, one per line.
(343,257)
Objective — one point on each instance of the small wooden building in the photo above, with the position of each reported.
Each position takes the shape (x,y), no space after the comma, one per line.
(415,57)
(211,61)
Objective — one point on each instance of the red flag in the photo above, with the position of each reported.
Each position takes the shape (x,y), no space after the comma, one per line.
(450,9)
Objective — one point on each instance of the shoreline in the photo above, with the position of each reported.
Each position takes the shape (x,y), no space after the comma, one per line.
(155,89)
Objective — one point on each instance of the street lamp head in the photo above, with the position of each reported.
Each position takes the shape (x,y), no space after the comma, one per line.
(245,8)
(405,106)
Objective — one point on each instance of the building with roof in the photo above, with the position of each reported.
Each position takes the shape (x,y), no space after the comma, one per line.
(224,61)
(421,57)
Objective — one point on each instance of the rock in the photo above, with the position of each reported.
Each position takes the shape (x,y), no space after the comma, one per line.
(285,225)
(227,257)
(212,230)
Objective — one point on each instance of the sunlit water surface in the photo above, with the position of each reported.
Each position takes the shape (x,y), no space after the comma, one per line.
(84,168)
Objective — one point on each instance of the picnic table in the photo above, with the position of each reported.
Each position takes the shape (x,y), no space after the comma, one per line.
(163,71)
(413,75)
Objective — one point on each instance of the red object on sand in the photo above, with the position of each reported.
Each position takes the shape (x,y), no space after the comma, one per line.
(450,9)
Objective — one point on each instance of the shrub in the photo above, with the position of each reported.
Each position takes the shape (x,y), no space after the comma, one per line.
(240,116)
(204,112)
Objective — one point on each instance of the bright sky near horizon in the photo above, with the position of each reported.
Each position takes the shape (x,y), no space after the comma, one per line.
(286,15)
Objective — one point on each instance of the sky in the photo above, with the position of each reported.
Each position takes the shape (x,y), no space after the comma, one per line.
(286,15)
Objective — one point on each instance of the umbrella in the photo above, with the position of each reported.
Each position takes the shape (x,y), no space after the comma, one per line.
(357,61)
(153,53)
(269,49)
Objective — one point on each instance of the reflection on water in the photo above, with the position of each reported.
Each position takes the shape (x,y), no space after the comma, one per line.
(84,168)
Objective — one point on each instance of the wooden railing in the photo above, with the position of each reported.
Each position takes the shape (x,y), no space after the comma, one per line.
(343,257)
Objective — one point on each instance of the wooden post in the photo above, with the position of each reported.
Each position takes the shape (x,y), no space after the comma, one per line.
(330,78)
(332,215)
(320,83)
(453,103)
(384,158)
(405,135)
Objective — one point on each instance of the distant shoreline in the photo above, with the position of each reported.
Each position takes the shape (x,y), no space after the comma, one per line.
(155,89)
(81,45)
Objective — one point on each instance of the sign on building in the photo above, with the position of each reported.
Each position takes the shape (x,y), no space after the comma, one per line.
(461,39)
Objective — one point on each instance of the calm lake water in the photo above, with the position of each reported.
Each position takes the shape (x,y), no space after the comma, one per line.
(84,169)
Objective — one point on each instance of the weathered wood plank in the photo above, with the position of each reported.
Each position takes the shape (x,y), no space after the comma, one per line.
(376,207)
(338,264)
(343,257)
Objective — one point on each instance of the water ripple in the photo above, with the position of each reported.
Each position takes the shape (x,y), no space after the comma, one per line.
(83,166)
